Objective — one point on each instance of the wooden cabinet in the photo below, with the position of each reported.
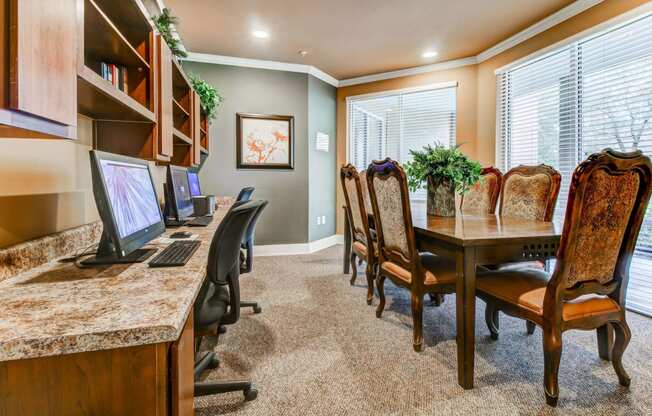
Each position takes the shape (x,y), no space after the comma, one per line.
(37,68)
(154,379)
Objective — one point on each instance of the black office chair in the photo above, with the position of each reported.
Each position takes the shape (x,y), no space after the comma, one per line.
(247,253)
(218,301)
(245,193)
(247,257)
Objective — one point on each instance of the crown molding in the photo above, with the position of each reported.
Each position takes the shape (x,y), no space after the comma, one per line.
(554,19)
(261,64)
(440,66)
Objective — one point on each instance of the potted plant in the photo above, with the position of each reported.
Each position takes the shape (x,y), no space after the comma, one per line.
(209,96)
(445,170)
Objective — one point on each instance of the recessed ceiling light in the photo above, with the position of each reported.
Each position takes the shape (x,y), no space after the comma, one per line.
(260,34)
(429,54)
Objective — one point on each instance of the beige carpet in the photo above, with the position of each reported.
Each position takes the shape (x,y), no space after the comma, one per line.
(318,349)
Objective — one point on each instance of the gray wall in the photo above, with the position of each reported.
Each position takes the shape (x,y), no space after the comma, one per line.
(248,90)
(322,111)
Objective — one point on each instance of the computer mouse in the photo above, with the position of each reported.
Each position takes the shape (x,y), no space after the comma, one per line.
(181,234)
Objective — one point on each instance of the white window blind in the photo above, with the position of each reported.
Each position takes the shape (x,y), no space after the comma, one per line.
(392,124)
(592,94)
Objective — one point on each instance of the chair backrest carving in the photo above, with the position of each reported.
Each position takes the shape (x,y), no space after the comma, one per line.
(482,198)
(608,197)
(530,192)
(355,207)
(390,201)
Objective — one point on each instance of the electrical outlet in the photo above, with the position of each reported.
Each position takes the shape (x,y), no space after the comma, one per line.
(318,220)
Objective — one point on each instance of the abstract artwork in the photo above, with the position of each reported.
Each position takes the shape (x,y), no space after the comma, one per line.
(264,141)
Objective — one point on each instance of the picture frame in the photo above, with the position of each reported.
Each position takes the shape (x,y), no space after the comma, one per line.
(264,141)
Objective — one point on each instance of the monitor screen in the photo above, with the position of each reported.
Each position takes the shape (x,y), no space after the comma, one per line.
(181,190)
(193,182)
(132,196)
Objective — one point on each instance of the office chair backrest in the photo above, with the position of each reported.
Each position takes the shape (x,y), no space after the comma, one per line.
(245,193)
(248,241)
(224,254)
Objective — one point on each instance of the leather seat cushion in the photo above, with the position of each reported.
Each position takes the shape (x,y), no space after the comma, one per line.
(439,270)
(361,249)
(526,288)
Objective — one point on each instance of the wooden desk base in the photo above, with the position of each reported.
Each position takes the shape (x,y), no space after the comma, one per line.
(155,379)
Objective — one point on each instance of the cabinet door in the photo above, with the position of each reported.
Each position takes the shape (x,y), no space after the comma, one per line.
(165,117)
(196,129)
(43,59)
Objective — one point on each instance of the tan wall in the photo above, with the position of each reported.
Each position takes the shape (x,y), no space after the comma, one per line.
(46,187)
(466,111)
(476,105)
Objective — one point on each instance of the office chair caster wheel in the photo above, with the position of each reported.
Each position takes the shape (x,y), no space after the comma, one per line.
(221,329)
(250,393)
(257,309)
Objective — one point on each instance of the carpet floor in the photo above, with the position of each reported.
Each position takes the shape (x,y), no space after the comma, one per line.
(318,349)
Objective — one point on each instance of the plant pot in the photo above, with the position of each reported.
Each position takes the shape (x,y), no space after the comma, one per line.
(441,198)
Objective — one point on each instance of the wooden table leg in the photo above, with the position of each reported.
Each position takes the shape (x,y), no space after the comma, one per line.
(465,305)
(347,244)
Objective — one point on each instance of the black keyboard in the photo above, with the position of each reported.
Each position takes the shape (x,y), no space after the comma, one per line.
(176,254)
(200,222)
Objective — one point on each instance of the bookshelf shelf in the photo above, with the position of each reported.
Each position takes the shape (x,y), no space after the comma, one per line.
(178,107)
(203,150)
(181,138)
(103,42)
(99,99)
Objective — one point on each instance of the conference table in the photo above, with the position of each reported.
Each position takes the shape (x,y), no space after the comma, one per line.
(473,241)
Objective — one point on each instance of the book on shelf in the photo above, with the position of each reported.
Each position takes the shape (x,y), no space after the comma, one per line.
(116,75)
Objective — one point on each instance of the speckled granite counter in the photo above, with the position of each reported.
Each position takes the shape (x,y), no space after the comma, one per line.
(57,308)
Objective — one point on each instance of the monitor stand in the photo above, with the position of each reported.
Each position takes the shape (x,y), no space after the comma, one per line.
(106,254)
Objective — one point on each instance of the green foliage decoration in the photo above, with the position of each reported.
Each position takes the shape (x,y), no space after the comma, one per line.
(447,164)
(209,96)
(163,23)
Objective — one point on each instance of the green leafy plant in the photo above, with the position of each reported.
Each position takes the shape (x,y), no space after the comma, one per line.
(164,22)
(447,164)
(209,96)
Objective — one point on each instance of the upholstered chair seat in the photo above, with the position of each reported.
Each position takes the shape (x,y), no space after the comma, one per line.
(438,270)
(526,288)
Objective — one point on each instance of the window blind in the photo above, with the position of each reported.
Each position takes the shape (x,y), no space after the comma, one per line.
(392,124)
(579,99)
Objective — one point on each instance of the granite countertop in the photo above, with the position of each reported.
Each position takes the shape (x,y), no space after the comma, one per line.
(58,308)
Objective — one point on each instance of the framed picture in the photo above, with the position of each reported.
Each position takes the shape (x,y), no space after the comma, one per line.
(264,141)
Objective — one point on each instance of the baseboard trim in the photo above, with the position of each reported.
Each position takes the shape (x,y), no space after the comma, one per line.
(299,248)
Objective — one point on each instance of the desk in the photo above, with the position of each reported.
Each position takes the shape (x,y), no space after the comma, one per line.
(112,340)
(474,241)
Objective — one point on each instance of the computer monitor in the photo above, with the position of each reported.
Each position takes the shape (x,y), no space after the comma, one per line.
(193,182)
(178,201)
(128,206)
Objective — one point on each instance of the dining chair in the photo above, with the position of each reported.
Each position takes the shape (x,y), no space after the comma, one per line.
(363,243)
(482,198)
(608,197)
(399,258)
(528,192)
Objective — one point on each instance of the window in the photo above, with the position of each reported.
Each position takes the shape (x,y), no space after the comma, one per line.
(579,99)
(392,124)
